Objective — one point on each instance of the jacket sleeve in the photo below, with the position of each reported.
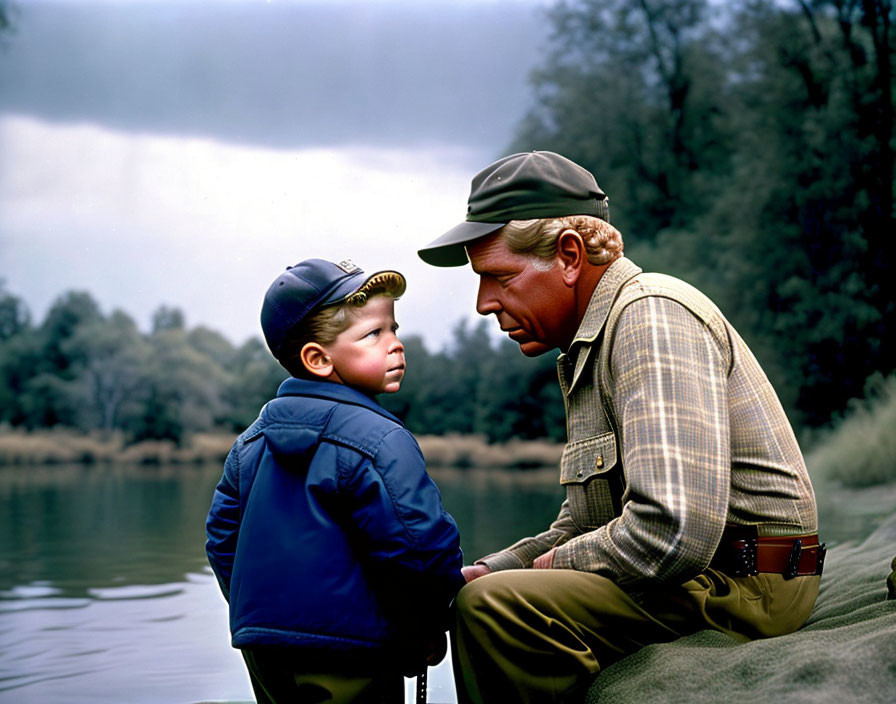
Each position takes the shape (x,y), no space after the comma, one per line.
(411,544)
(523,553)
(223,522)
(669,388)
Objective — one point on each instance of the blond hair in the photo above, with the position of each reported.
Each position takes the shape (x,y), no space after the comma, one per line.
(603,242)
(324,325)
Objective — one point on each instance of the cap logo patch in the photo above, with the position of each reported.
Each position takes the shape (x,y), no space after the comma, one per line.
(348,266)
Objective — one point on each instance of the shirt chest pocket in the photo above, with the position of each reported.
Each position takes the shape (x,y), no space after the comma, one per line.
(593,481)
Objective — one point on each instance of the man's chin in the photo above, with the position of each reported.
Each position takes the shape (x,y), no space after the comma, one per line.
(531,348)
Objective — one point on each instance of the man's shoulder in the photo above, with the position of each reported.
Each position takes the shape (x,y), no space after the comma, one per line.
(647,284)
(655,285)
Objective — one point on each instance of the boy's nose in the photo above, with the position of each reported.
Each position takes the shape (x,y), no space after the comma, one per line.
(396,346)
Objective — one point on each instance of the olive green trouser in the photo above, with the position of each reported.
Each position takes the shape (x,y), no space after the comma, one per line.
(278,679)
(543,635)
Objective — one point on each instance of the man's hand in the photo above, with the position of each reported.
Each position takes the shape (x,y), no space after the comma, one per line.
(471,572)
(544,562)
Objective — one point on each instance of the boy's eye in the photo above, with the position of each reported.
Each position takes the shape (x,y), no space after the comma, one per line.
(373,333)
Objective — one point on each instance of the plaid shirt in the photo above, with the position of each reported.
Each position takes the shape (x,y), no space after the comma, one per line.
(673,430)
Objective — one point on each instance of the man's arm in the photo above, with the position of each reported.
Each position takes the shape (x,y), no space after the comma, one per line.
(669,391)
(525,552)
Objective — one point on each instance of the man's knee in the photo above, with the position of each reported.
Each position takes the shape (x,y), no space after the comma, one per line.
(477,595)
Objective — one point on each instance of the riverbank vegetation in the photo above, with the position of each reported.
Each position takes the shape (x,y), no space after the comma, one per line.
(860,451)
(63,446)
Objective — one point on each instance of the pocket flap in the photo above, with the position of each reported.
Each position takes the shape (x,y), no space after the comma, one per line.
(586,458)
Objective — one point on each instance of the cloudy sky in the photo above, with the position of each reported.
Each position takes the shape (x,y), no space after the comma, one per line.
(183,152)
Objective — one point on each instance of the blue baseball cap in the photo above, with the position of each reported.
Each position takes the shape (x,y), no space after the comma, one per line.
(303,288)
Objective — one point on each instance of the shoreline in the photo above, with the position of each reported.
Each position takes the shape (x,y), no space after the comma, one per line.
(66,446)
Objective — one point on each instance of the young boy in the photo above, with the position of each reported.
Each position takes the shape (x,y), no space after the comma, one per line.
(328,538)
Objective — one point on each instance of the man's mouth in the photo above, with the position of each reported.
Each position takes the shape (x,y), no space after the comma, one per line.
(517,334)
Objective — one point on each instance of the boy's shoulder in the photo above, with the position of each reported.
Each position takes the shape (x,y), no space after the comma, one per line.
(332,412)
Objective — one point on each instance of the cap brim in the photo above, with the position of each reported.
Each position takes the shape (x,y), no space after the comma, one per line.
(352,285)
(448,250)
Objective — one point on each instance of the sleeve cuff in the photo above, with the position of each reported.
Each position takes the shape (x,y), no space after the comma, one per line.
(501,561)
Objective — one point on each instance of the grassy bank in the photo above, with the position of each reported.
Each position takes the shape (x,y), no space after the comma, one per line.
(860,451)
(65,446)
(60,446)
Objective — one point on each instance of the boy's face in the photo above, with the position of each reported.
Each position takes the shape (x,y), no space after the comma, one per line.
(368,355)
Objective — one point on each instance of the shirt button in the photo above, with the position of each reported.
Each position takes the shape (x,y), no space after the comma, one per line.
(599,462)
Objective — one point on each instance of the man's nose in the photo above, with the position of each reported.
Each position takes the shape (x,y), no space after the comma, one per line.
(486,302)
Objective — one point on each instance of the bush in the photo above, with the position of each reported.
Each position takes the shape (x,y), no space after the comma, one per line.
(860,451)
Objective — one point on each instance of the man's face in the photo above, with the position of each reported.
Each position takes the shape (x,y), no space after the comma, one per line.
(533,305)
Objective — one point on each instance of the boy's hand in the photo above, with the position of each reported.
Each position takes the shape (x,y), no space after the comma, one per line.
(471,572)
(436,647)
(426,653)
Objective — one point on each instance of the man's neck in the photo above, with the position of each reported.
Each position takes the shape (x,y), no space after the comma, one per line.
(585,287)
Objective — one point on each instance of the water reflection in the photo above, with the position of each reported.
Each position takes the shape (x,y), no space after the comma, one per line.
(77,528)
(106,596)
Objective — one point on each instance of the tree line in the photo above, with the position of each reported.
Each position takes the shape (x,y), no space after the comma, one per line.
(749,149)
(746,147)
(81,368)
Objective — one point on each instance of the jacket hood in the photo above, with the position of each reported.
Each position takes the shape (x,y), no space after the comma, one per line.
(294,430)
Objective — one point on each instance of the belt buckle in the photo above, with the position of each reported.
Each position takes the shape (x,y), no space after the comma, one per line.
(743,557)
(822,551)
(793,562)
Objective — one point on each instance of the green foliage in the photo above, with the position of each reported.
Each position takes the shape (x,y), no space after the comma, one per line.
(750,153)
(860,450)
(477,387)
(6,17)
(84,370)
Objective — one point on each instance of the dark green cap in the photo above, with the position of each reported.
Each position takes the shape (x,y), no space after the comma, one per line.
(519,187)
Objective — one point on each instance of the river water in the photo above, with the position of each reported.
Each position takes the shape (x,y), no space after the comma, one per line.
(106,595)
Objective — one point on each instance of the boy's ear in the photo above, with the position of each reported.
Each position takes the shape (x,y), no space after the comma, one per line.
(316,360)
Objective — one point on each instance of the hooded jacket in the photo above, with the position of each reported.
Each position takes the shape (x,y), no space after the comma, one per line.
(326,533)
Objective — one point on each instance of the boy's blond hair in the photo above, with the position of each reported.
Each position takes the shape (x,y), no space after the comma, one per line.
(324,325)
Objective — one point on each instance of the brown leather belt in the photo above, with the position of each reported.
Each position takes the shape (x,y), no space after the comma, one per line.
(742,553)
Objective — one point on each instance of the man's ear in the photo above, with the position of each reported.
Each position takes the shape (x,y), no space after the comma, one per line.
(316,360)
(571,255)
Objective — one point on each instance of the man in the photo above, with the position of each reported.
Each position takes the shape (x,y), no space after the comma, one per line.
(688,505)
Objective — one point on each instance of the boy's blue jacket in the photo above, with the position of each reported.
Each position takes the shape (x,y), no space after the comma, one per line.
(326,533)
